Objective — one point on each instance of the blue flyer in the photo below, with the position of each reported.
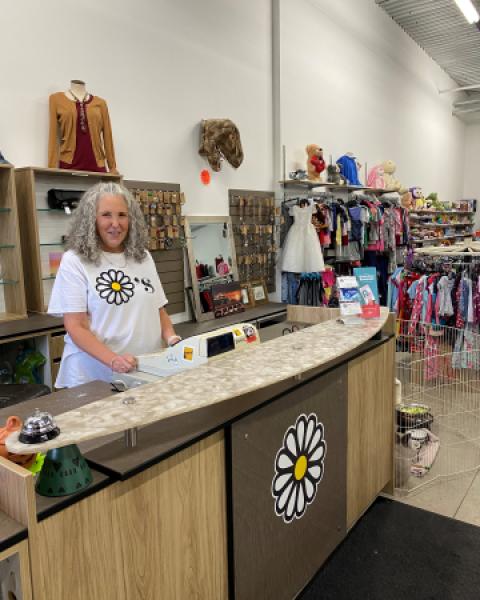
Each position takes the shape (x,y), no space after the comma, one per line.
(367,284)
(368,291)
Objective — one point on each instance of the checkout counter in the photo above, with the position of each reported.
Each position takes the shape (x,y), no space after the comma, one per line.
(241,498)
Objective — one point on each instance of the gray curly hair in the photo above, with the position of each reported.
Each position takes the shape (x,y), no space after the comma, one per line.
(83,237)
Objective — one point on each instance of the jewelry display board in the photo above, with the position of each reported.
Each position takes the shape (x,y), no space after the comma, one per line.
(162,206)
(42,228)
(12,293)
(256,222)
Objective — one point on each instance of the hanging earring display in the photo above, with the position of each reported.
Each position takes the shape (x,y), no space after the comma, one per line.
(163,216)
(256,223)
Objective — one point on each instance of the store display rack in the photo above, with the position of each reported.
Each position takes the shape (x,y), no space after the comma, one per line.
(424,222)
(255,223)
(12,292)
(310,185)
(162,206)
(43,229)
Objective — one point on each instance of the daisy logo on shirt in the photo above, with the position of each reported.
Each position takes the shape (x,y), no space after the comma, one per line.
(299,467)
(114,286)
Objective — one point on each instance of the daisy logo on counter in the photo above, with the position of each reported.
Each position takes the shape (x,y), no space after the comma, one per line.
(299,467)
(114,286)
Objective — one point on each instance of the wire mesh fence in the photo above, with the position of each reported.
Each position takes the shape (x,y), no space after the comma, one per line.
(438,420)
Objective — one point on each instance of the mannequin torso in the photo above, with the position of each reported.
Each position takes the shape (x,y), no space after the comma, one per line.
(77,91)
(80,131)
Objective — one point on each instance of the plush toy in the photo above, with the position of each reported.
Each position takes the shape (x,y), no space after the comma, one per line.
(25,460)
(375,178)
(391,183)
(432,201)
(406,200)
(334,175)
(220,139)
(315,163)
(418,199)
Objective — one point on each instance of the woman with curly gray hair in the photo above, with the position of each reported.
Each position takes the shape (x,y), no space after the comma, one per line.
(107,289)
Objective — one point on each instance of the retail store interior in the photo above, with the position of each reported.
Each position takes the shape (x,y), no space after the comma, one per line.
(240,300)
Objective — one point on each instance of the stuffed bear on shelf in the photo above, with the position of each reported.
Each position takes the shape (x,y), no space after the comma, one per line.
(315,163)
(391,183)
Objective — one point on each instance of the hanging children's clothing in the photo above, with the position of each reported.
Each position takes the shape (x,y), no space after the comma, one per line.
(302,252)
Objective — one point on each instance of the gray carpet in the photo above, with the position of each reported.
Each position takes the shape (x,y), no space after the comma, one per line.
(398,552)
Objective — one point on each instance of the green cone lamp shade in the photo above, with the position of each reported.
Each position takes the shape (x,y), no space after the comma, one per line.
(64,472)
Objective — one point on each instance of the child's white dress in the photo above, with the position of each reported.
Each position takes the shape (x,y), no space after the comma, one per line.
(302,252)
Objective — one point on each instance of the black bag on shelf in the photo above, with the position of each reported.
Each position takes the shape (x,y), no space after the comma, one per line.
(62,199)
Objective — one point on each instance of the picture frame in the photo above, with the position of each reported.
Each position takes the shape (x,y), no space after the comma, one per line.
(227,299)
(247,297)
(259,291)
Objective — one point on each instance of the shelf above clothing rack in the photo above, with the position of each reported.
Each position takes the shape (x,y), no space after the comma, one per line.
(427,213)
(310,185)
(466,249)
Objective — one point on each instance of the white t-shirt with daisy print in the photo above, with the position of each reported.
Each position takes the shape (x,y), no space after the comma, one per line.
(122,298)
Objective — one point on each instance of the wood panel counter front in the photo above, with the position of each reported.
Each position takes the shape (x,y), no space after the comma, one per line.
(191,511)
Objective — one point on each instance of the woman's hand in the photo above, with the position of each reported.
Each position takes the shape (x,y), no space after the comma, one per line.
(123,363)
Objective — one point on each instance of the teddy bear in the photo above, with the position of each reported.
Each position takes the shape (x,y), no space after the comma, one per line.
(391,183)
(315,162)
(334,175)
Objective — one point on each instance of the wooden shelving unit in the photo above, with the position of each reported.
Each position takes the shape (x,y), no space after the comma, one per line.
(12,292)
(311,185)
(42,228)
(426,220)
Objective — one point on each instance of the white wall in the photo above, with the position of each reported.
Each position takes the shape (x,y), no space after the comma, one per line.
(162,66)
(471,188)
(346,77)
(350,79)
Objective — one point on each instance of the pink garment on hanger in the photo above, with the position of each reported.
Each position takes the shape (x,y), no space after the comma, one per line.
(417,306)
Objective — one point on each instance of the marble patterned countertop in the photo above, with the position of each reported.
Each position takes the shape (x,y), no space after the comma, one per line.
(222,379)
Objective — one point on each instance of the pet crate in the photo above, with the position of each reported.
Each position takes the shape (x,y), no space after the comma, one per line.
(438,420)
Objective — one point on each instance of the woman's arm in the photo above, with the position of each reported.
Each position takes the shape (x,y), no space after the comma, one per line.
(168,332)
(78,327)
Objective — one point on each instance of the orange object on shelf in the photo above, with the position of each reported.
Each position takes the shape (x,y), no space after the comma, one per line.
(14,424)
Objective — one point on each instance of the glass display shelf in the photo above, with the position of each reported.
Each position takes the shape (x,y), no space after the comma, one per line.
(53,210)
(48,278)
(52,244)
(8,282)
(5,210)
(2,246)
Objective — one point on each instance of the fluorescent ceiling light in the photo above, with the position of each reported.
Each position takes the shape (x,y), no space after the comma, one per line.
(468,10)
(475,86)
(464,102)
(465,110)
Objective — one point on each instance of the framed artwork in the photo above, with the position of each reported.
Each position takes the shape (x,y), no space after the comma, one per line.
(259,291)
(247,297)
(227,299)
